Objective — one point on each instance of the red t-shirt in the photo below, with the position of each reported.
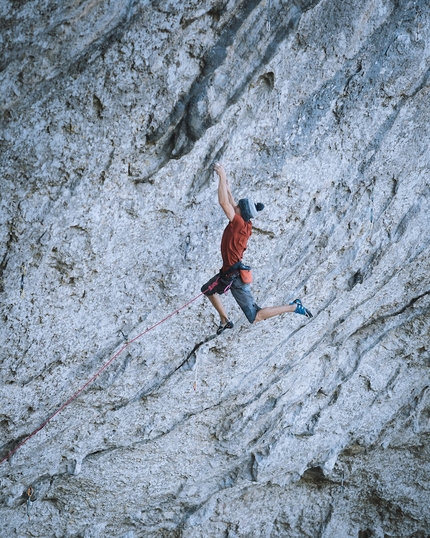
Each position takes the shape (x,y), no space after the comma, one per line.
(234,241)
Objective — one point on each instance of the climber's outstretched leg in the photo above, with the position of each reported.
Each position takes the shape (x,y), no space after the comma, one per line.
(271,311)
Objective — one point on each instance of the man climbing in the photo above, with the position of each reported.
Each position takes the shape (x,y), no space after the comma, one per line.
(233,274)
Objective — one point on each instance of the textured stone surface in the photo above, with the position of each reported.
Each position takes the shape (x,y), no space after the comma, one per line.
(111,114)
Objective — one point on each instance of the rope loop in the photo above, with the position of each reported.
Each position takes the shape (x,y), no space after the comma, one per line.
(78,392)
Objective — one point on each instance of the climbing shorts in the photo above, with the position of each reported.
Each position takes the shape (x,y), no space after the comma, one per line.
(240,291)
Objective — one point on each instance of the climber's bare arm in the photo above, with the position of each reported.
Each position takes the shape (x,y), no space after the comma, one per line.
(225,198)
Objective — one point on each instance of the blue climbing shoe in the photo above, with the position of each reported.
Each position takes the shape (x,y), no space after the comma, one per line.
(222,328)
(300,309)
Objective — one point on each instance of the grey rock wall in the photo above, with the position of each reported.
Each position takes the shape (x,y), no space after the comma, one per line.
(111,115)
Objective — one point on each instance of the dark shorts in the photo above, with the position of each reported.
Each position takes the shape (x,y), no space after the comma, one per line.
(240,291)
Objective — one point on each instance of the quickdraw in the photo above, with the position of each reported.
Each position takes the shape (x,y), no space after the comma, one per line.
(30,499)
(23,272)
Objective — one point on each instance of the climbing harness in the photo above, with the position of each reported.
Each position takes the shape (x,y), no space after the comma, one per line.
(232,272)
(78,392)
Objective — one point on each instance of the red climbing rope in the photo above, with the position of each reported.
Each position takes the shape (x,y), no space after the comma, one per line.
(77,393)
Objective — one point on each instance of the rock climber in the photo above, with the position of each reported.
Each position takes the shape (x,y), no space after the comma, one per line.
(234,275)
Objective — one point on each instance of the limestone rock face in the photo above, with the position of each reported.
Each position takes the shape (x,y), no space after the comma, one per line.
(112,113)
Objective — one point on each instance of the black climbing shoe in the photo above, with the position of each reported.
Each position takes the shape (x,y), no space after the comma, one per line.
(300,309)
(222,328)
